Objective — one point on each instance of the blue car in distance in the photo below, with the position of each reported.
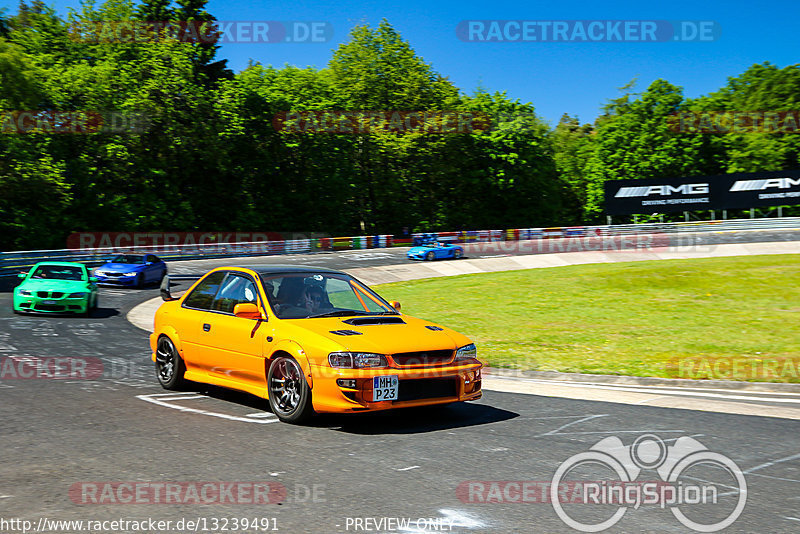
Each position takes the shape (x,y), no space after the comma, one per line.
(132,270)
(435,250)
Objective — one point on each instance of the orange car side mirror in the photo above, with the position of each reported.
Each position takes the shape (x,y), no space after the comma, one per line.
(395,305)
(247,310)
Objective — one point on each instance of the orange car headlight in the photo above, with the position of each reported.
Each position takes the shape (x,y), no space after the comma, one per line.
(357,360)
(467,352)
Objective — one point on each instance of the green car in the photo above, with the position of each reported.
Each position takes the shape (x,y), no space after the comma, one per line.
(56,287)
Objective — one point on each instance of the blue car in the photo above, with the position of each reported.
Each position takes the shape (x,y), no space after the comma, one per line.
(132,270)
(435,250)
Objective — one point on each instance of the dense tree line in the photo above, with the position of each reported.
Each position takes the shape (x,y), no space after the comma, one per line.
(205,152)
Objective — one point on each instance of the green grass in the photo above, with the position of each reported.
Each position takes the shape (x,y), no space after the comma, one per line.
(673,318)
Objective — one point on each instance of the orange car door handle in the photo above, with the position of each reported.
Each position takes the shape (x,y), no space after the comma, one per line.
(206,327)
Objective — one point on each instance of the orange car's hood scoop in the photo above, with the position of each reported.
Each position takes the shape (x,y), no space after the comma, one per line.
(366,321)
(346,333)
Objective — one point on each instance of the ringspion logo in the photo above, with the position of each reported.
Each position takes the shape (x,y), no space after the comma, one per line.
(704,490)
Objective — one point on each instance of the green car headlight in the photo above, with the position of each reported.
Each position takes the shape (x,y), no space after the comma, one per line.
(24,292)
(467,352)
(78,295)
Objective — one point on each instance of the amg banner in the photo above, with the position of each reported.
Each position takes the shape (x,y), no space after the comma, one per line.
(726,191)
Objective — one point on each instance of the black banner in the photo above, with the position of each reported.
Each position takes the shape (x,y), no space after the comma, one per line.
(726,191)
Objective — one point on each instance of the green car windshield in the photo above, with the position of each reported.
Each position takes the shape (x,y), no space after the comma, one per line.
(58,272)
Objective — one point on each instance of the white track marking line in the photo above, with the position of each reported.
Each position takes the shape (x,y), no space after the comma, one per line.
(161,402)
(617,432)
(182,398)
(737,488)
(562,427)
(172,394)
(408,468)
(677,393)
(557,417)
(771,463)
(653,399)
(676,439)
(457,519)
(447,520)
(739,396)
(638,386)
(773,477)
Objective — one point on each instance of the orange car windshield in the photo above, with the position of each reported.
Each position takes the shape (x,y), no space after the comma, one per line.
(304,296)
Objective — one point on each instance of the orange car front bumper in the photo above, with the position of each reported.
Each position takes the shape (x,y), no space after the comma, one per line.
(417,387)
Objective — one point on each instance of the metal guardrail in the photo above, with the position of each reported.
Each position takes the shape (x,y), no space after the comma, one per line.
(14,262)
(791,223)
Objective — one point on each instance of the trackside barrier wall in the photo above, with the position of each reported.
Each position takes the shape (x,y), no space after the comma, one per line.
(14,262)
(575,231)
(550,233)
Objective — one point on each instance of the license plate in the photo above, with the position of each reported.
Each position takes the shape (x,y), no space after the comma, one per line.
(384,388)
(49,302)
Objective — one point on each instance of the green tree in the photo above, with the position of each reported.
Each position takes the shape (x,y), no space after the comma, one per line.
(155,10)
(376,70)
(762,87)
(634,140)
(573,145)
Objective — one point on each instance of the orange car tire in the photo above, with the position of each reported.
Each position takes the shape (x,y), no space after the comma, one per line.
(169,365)
(288,392)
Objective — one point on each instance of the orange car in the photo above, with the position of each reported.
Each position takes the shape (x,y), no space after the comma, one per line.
(308,340)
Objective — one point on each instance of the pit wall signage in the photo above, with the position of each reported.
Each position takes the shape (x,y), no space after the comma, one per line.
(727,191)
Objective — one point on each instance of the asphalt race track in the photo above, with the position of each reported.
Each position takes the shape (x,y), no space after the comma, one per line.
(74,448)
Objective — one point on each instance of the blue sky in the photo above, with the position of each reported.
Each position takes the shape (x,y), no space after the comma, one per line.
(556,77)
